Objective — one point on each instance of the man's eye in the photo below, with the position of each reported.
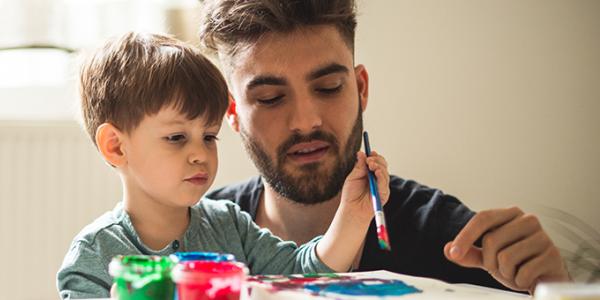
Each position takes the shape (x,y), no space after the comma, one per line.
(175,138)
(270,101)
(332,90)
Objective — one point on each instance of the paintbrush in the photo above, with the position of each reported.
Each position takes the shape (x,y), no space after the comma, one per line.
(382,234)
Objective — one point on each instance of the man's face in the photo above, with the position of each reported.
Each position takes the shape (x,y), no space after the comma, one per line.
(299,102)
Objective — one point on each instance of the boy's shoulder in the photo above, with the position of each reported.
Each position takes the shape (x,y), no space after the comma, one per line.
(215,208)
(220,212)
(108,223)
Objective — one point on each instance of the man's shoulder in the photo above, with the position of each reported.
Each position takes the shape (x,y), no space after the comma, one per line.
(236,191)
(425,212)
(411,194)
(245,194)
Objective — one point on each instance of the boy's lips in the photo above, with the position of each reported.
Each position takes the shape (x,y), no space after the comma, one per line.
(304,153)
(198,179)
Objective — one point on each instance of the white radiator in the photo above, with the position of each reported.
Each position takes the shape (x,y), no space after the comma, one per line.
(52,183)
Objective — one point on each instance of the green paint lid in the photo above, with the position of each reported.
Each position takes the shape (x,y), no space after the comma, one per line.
(134,268)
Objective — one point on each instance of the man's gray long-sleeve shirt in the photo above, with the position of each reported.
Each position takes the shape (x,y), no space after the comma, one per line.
(215,226)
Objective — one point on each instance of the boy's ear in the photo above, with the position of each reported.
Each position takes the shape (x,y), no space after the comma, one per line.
(232,116)
(362,82)
(109,140)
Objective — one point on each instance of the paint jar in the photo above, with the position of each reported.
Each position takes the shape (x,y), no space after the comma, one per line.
(567,290)
(142,277)
(191,256)
(181,257)
(209,280)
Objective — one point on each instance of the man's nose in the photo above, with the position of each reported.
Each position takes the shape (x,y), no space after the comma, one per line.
(305,116)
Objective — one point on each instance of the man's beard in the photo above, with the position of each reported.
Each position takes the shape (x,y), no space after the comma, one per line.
(311,186)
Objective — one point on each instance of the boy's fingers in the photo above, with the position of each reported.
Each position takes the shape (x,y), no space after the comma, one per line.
(378,165)
(383,184)
(374,166)
(377,158)
(360,167)
(113,291)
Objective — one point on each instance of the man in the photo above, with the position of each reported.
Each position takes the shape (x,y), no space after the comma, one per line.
(297,102)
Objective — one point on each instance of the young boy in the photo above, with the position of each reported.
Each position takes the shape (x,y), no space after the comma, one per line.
(153,106)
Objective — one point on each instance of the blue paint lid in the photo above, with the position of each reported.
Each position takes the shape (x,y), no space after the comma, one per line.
(205,256)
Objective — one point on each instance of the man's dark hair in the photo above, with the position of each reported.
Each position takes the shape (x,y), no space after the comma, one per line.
(227,25)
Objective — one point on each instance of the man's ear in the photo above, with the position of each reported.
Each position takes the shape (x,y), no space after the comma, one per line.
(232,116)
(109,140)
(362,82)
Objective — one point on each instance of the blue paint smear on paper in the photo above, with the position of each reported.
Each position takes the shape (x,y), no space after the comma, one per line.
(363,287)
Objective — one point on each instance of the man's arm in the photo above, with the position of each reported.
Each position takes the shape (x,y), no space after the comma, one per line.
(515,249)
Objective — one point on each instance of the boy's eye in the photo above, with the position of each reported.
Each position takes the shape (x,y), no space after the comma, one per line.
(210,138)
(175,138)
(332,90)
(270,101)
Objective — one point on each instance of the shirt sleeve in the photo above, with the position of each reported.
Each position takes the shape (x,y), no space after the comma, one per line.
(83,274)
(268,254)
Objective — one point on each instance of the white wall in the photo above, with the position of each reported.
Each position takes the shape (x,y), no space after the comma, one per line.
(496,102)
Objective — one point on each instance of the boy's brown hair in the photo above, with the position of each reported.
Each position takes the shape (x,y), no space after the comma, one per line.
(139,74)
(228,25)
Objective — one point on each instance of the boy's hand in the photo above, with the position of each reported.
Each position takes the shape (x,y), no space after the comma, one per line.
(345,235)
(356,196)
(113,291)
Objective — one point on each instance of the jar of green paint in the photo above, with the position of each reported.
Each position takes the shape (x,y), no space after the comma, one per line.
(141,277)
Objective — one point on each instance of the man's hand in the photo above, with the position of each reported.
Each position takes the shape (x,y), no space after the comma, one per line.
(515,249)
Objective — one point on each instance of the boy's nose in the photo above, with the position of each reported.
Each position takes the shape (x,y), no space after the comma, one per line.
(305,116)
(197,155)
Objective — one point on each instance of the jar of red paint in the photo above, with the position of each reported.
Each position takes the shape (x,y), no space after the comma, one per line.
(209,280)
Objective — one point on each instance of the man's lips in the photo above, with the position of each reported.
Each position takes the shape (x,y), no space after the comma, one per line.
(198,179)
(308,152)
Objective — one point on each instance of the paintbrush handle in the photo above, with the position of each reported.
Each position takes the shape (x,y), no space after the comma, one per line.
(382,234)
(374,192)
(372,182)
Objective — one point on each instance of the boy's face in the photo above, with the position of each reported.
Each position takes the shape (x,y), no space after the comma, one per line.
(170,159)
(299,101)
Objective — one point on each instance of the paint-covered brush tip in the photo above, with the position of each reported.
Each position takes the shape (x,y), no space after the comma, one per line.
(382,236)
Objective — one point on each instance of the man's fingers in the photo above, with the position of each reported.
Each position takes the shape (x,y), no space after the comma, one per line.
(506,235)
(510,258)
(534,270)
(472,259)
(480,223)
